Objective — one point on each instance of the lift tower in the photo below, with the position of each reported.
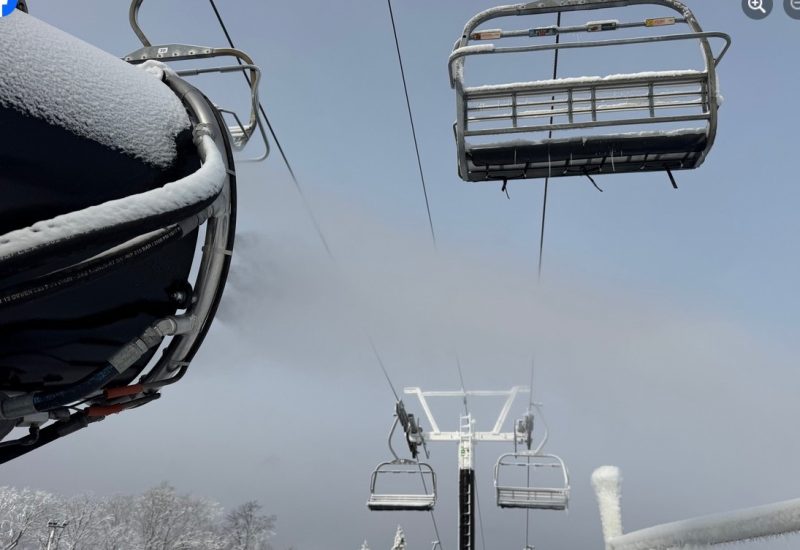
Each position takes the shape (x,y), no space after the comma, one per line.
(466,437)
(531,494)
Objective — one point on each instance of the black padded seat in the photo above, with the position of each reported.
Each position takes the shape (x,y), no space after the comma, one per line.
(64,335)
(602,154)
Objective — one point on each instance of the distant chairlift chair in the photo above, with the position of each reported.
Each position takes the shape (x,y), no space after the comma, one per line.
(533,496)
(420,501)
(492,118)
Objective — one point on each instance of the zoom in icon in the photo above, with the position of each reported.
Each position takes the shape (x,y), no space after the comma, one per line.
(759,9)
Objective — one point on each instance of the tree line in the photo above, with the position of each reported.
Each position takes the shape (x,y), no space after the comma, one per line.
(158,519)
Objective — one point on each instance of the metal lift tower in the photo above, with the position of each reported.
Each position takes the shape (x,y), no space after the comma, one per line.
(466,437)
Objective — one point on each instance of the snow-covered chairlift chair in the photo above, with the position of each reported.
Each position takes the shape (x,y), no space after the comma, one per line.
(383,495)
(604,123)
(534,495)
(417,473)
(109,172)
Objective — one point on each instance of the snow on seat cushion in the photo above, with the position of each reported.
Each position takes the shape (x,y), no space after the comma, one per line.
(79,127)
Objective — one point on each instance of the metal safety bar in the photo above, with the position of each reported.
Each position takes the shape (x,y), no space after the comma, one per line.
(240,134)
(455,61)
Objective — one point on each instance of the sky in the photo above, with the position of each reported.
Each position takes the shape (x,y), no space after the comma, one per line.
(663,329)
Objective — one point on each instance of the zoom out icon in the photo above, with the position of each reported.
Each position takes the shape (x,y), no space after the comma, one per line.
(792,8)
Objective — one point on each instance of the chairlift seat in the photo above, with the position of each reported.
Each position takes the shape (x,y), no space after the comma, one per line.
(533,498)
(601,154)
(417,503)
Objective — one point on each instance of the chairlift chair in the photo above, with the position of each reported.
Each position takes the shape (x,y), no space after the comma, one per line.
(96,278)
(607,123)
(533,496)
(421,501)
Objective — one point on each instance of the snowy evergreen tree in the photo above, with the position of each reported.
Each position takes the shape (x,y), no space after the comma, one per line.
(365,545)
(399,539)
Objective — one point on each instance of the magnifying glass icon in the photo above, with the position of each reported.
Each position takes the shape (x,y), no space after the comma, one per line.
(757,5)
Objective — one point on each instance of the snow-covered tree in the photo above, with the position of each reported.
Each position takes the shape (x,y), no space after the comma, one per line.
(117,532)
(23,514)
(245,528)
(159,519)
(165,520)
(399,539)
(365,545)
(84,518)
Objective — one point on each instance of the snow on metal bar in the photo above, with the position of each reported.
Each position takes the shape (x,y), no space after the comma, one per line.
(205,183)
(585,80)
(770,520)
(53,76)
(752,523)
(606,481)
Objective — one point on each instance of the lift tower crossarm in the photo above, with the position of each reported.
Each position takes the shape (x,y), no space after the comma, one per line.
(435,434)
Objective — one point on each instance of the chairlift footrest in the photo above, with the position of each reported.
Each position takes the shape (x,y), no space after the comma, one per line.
(603,154)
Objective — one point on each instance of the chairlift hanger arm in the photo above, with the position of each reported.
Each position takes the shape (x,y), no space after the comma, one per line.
(553,6)
(532,32)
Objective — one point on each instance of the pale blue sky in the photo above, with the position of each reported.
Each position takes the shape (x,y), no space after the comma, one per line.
(665,331)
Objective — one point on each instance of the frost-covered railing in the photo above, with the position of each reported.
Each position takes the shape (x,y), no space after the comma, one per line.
(655,102)
(768,521)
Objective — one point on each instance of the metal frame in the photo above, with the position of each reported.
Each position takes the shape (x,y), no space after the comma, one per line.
(240,134)
(421,502)
(531,497)
(652,102)
(215,257)
(435,434)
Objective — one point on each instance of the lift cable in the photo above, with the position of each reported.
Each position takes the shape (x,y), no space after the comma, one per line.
(303,198)
(318,227)
(383,367)
(411,120)
(547,179)
(539,271)
(461,379)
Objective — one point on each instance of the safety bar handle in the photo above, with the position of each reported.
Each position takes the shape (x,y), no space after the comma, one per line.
(183,52)
(464,51)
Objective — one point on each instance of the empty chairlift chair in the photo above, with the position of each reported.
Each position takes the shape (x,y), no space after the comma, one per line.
(414,473)
(607,123)
(532,495)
